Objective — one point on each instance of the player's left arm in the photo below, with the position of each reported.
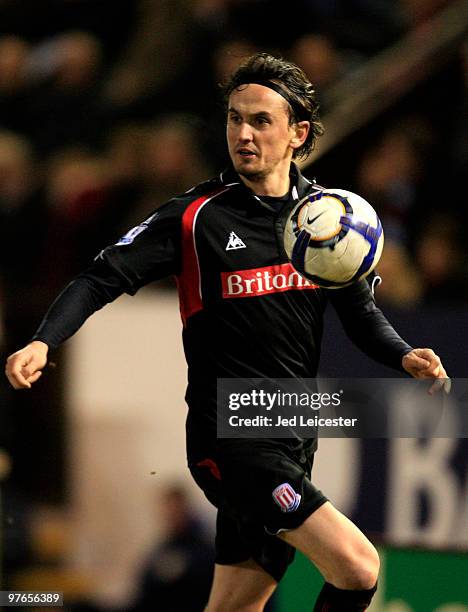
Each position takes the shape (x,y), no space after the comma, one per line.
(371,331)
(366,325)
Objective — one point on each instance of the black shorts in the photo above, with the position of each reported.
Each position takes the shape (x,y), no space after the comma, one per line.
(260,487)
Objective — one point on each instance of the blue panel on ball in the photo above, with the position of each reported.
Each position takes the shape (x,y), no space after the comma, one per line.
(371,234)
(299,251)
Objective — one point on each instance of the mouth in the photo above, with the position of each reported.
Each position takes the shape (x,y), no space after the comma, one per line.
(246,153)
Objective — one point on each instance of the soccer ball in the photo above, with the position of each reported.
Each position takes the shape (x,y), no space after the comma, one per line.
(333,238)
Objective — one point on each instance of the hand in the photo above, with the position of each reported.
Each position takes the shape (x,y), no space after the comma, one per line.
(424,363)
(24,367)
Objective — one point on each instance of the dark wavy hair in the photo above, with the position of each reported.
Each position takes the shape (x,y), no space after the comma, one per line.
(298,90)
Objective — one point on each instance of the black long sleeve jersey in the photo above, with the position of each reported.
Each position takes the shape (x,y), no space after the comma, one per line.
(245,311)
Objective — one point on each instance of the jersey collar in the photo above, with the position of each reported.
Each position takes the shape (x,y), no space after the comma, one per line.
(229,178)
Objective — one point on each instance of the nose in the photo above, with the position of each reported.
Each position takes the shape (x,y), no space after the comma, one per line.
(245,132)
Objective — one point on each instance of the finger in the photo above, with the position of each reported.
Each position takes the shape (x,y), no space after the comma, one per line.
(33,364)
(14,373)
(22,378)
(443,373)
(428,356)
(426,375)
(425,353)
(29,371)
(434,367)
(21,359)
(447,386)
(442,382)
(418,363)
(436,386)
(433,371)
(17,380)
(34,377)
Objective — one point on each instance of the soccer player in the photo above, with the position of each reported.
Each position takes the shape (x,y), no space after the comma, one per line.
(223,242)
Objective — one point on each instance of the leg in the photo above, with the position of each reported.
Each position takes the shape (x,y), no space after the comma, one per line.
(341,552)
(243,587)
(345,557)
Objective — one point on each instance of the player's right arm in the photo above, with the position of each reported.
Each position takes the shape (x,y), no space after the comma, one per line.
(148,252)
(89,292)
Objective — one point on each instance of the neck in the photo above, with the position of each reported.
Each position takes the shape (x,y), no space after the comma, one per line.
(271,185)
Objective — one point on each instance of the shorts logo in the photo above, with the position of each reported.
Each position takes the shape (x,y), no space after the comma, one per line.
(286,497)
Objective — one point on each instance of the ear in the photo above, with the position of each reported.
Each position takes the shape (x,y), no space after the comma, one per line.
(300,132)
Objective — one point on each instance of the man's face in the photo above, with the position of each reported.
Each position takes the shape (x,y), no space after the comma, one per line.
(258,131)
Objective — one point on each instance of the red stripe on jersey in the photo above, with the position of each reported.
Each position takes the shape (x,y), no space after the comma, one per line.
(189,281)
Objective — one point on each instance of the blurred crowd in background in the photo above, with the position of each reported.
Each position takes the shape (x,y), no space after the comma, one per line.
(107,109)
(110,107)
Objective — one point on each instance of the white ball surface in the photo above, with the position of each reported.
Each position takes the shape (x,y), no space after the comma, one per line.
(342,229)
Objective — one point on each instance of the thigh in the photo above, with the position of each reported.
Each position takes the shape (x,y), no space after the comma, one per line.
(332,542)
(242,587)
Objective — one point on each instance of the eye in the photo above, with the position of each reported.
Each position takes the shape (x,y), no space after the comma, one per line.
(262,121)
(234,119)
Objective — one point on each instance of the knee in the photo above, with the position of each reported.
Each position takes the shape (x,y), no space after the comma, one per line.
(360,570)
